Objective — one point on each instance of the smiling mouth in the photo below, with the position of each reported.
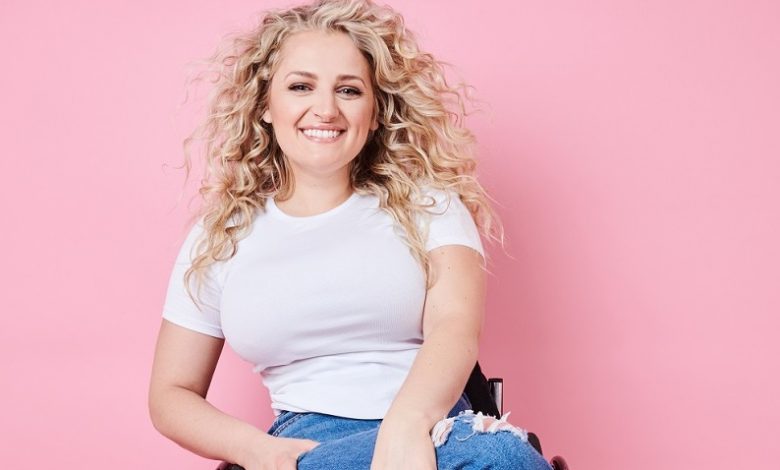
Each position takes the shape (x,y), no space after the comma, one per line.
(321,135)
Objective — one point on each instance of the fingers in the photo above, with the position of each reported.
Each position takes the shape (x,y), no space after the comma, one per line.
(312,444)
(283,455)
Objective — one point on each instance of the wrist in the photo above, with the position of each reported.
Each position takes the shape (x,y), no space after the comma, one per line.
(409,418)
(250,443)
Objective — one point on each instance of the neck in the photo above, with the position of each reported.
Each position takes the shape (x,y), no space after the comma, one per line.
(308,199)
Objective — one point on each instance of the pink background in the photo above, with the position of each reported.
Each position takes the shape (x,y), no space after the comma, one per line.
(634,149)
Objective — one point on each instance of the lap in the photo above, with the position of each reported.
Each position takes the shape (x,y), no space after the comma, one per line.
(345,443)
(348,444)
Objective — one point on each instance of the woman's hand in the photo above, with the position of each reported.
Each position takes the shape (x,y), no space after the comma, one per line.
(403,443)
(277,453)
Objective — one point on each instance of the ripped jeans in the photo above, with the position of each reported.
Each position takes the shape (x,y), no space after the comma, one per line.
(463,441)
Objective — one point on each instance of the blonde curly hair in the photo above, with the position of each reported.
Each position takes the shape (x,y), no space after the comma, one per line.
(420,142)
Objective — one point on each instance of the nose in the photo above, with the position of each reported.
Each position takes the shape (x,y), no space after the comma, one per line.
(325,107)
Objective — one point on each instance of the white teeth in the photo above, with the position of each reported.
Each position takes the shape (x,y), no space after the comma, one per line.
(322,134)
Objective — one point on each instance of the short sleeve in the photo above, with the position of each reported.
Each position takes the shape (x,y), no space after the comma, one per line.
(451,222)
(179,307)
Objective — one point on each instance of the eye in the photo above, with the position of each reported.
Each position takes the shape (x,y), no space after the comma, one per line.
(299,87)
(350,91)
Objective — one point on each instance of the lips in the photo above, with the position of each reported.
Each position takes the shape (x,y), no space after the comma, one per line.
(322,133)
(325,135)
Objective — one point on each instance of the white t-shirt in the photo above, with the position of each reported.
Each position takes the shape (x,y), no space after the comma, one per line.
(328,308)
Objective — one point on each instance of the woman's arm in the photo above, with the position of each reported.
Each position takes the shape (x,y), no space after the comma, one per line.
(452,322)
(184,364)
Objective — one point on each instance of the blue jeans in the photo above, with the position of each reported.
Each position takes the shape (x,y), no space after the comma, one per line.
(348,444)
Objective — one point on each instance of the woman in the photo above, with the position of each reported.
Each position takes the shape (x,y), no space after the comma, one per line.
(338,251)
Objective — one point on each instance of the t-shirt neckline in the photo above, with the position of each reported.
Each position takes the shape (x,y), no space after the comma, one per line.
(274,210)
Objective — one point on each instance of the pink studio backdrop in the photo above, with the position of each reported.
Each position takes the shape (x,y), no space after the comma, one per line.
(633,147)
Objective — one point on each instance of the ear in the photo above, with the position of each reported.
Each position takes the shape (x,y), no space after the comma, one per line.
(374,125)
(267,116)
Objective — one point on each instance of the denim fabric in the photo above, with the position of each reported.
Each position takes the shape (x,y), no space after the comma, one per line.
(348,444)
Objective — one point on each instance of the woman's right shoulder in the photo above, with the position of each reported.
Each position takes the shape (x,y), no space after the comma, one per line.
(193,233)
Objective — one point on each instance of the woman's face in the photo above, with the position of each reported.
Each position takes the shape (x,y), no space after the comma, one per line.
(321,103)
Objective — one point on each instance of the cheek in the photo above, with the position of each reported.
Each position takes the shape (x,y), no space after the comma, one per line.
(284,112)
(363,116)
(283,109)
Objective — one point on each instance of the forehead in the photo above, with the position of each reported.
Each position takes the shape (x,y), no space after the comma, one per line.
(326,54)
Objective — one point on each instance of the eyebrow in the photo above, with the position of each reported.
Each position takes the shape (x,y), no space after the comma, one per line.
(314,77)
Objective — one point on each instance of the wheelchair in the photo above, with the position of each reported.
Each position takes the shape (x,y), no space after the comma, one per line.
(486,395)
